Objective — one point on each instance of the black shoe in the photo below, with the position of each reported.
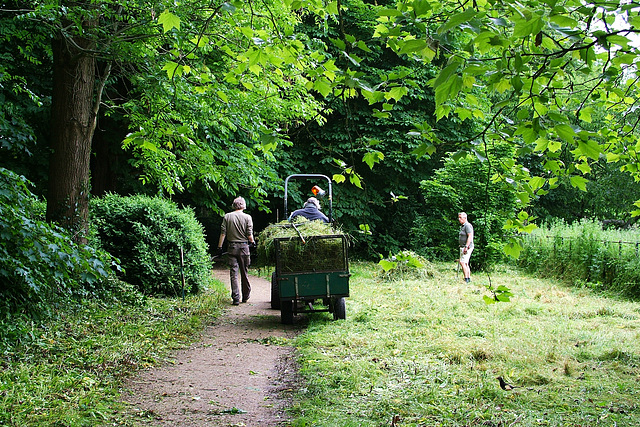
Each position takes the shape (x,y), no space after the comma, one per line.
(245,300)
(236,303)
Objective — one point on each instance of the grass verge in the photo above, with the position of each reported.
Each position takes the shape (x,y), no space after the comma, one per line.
(428,353)
(69,372)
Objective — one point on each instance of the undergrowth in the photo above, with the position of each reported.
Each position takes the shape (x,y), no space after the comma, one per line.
(69,371)
(584,254)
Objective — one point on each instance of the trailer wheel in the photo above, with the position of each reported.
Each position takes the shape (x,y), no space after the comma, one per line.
(286,312)
(275,292)
(339,308)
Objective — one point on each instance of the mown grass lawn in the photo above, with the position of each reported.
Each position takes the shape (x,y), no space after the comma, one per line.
(428,352)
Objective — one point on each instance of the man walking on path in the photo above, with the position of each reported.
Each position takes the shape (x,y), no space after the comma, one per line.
(466,245)
(237,228)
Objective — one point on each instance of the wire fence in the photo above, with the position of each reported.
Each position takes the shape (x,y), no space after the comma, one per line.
(607,243)
(612,262)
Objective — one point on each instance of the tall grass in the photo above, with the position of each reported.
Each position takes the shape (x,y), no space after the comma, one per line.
(428,353)
(583,253)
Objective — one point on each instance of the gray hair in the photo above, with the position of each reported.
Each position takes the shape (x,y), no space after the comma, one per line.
(312,201)
(239,203)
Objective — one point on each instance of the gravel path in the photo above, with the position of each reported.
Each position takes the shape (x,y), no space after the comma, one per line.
(236,375)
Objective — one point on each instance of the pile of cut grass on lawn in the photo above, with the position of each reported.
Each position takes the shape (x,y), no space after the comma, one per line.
(428,353)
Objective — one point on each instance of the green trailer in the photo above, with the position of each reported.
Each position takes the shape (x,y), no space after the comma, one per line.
(311,272)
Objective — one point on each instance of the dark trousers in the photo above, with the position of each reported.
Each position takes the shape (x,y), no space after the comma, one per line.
(239,261)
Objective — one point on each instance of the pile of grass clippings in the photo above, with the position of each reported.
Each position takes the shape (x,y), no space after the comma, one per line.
(405,265)
(308,247)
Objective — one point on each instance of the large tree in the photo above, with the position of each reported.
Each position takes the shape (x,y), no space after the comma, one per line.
(204,88)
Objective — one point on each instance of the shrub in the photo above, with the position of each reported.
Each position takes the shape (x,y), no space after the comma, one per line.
(146,234)
(39,262)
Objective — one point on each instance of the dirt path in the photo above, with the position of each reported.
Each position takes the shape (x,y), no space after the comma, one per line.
(235,376)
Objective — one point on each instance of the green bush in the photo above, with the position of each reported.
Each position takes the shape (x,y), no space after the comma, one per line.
(40,265)
(146,235)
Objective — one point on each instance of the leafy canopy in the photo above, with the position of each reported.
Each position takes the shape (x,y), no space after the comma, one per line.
(561,77)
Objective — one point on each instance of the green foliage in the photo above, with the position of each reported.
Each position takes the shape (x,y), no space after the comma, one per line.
(560,81)
(208,113)
(583,253)
(404,265)
(368,144)
(609,197)
(71,371)
(499,294)
(25,86)
(40,265)
(470,185)
(146,234)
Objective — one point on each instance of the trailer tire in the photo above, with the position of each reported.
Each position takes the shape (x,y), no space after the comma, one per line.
(275,292)
(339,308)
(286,312)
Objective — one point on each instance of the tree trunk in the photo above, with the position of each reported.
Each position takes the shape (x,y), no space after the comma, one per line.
(73,122)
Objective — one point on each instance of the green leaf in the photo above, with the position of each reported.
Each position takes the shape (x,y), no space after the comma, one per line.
(172,69)
(355,180)
(449,89)
(585,114)
(421,7)
(387,265)
(412,46)
(389,12)
(372,157)
(457,19)
(446,73)
(526,27)
(565,132)
(619,40)
(362,45)
(590,148)
(168,21)
(397,92)
(424,149)
(338,178)
(579,182)
(323,86)
(513,248)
